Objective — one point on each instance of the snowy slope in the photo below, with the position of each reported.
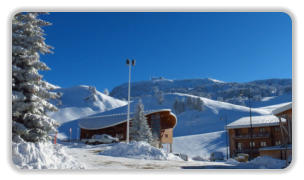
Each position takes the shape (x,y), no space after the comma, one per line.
(81,101)
(190,121)
(212,89)
(201,144)
(273,100)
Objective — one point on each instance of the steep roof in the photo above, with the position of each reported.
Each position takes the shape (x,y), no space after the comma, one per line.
(282,108)
(257,121)
(104,121)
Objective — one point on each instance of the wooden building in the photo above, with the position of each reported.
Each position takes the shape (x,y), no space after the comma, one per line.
(284,150)
(248,137)
(161,122)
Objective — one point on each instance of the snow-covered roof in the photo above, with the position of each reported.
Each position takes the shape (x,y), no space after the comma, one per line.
(257,121)
(104,121)
(282,108)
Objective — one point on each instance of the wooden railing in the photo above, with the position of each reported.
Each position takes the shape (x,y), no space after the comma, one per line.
(254,136)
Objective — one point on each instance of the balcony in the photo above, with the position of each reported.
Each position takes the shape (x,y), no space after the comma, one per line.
(247,151)
(254,136)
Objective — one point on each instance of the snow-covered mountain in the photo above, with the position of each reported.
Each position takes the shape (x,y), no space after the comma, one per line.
(190,119)
(80,101)
(209,88)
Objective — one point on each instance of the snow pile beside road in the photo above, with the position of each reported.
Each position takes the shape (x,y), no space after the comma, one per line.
(42,156)
(261,162)
(265,162)
(138,150)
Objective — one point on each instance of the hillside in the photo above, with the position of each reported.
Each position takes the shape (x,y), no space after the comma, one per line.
(81,101)
(201,145)
(209,88)
(191,120)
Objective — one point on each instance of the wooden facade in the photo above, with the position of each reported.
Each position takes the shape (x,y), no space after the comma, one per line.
(286,127)
(274,139)
(161,123)
(286,134)
(279,153)
(241,140)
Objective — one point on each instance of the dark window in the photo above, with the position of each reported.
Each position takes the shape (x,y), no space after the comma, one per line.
(263,144)
(239,146)
(237,132)
(252,144)
(262,130)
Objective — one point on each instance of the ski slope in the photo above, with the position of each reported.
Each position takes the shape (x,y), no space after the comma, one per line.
(81,101)
(189,122)
(201,145)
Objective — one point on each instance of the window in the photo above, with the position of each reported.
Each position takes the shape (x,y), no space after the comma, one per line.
(278,143)
(263,144)
(166,135)
(252,144)
(262,130)
(239,146)
(277,129)
(237,132)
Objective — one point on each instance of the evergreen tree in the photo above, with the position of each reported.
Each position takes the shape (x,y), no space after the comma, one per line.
(199,104)
(140,130)
(30,94)
(179,106)
(159,95)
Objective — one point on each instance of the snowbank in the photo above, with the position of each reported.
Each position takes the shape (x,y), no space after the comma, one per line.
(261,162)
(138,150)
(42,156)
(266,162)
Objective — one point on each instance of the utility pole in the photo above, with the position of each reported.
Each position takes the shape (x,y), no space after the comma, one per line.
(129,94)
(250,117)
(224,117)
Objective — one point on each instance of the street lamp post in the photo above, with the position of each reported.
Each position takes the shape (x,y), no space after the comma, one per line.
(129,94)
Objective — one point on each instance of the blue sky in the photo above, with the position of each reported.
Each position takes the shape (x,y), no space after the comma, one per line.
(91,48)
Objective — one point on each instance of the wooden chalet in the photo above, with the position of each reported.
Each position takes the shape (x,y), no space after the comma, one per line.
(161,122)
(248,137)
(284,150)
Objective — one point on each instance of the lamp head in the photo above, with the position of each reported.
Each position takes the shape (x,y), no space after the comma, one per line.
(128,62)
(133,62)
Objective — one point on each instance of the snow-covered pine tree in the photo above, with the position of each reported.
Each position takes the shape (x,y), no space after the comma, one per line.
(140,130)
(159,95)
(199,104)
(30,94)
(179,106)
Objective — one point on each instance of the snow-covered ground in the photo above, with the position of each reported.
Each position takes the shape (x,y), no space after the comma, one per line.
(81,101)
(201,145)
(113,156)
(43,156)
(77,102)
(90,156)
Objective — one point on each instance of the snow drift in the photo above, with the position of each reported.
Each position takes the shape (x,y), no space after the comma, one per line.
(261,162)
(138,150)
(42,156)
